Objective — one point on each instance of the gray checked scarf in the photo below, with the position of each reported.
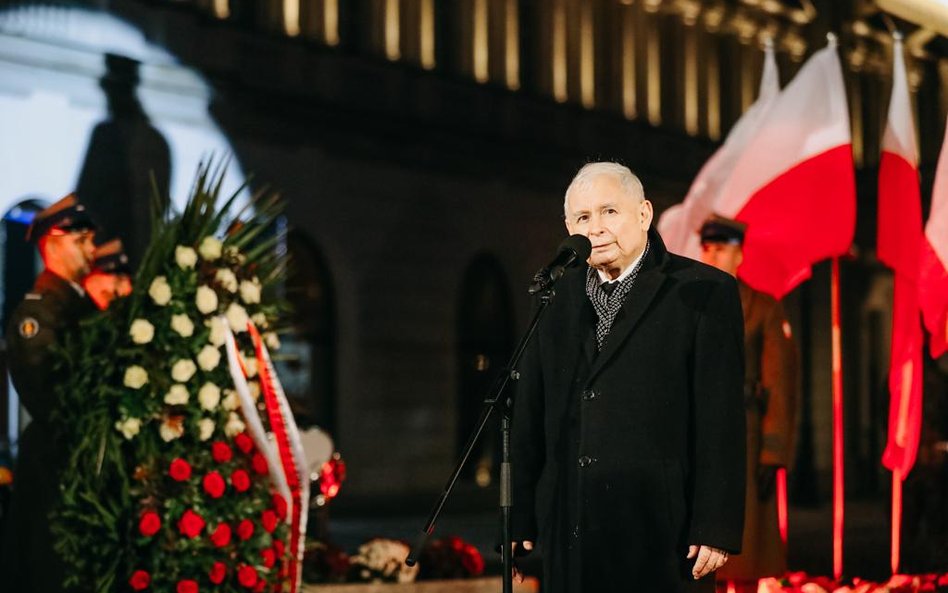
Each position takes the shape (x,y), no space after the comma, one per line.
(608,303)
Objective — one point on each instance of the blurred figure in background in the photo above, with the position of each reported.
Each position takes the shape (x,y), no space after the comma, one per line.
(770,406)
(64,234)
(111,275)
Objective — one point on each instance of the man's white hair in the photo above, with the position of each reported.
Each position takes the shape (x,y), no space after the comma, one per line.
(585,176)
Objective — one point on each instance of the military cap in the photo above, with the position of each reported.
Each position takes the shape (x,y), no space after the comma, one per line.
(67,215)
(110,258)
(718,229)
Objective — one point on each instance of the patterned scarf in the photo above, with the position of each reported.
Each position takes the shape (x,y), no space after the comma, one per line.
(608,303)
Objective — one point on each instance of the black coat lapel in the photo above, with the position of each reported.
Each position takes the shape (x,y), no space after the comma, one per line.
(637,302)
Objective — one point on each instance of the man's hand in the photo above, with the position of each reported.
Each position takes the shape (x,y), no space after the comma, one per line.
(527,548)
(709,560)
(766,481)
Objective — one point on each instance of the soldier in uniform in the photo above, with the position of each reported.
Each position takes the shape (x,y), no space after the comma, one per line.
(770,405)
(111,276)
(64,234)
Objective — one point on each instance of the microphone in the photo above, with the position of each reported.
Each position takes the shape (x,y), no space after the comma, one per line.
(573,250)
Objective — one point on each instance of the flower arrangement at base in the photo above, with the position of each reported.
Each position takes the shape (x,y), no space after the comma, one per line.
(450,558)
(382,560)
(800,582)
(165,489)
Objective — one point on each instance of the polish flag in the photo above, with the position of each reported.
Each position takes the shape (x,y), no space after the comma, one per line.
(899,240)
(679,225)
(795,185)
(933,276)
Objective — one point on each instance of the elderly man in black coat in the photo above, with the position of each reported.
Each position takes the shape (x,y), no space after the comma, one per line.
(628,425)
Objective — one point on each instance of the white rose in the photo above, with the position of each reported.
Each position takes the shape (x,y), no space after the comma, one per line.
(186,257)
(160,291)
(209,357)
(209,396)
(230,401)
(177,396)
(206,428)
(218,333)
(250,364)
(250,292)
(235,254)
(135,377)
(237,318)
(183,325)
(254,388)
(260,320)
(141,331)
(234,425)
(206,299)
(226,279)
(128,427)
(210,248)
(183,370)
(171,429)
(272,340)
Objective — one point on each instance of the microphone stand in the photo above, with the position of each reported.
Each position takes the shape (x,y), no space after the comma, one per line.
(545,294)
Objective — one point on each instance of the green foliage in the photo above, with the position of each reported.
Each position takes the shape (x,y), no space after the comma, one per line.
(130,412)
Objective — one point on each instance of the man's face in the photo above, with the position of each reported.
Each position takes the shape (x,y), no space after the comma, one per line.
(70,253)
(616,223)
(726,257)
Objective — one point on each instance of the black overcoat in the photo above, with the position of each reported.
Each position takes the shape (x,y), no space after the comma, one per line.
(625,456)
(28,560)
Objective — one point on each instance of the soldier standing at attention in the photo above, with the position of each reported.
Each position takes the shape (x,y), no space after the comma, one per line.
(111,275)
(64,234)
(770,406)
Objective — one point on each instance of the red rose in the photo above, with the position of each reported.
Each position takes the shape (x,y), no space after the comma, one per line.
(139,580)
(149,524)
(221,535)
(268,556)
(243,442)
(269,520)
(218,573)
(472,561)
(279,505)
(245,529)
(261,585)
(241,480)
(187,586)
(279,548)
(259,463)
(180,470)
(247,576)
(214,484)
(221,452)
(190,524)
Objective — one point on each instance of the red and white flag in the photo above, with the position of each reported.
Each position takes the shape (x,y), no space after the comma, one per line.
(795,186)
(933,275)
(899,240)
(679,225)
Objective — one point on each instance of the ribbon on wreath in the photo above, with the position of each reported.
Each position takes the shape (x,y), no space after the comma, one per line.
(290,448)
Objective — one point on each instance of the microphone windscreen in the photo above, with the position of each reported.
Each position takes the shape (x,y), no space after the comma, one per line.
(578,244)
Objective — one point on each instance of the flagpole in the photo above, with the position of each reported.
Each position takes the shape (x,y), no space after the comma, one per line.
(838,484)
(896,519)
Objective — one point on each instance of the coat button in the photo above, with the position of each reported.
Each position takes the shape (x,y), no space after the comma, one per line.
(585,461)
(590,394)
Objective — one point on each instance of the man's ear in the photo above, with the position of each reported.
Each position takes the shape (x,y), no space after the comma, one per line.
(646,212)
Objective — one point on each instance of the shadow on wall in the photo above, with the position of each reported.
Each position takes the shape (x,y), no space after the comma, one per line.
(127,157)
